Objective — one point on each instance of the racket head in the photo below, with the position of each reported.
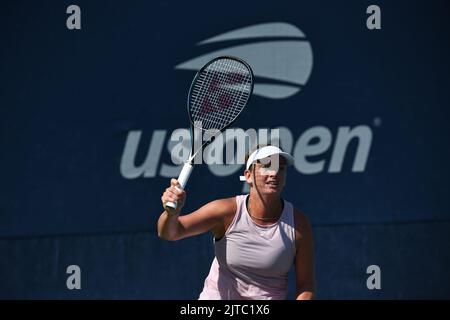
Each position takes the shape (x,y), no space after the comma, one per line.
(219,92)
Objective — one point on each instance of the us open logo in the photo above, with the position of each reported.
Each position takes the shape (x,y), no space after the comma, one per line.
(282,62)
(278,52)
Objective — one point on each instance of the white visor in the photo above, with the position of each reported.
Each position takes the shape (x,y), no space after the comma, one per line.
(265,152)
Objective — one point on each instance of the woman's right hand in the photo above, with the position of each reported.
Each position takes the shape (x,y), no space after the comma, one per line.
(174,194)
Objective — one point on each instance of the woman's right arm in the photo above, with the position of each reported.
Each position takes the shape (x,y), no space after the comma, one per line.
(210,217)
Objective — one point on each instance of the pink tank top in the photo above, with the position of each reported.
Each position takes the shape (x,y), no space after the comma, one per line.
(252,261)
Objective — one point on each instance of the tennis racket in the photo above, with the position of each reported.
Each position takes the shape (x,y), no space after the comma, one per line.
(217,96)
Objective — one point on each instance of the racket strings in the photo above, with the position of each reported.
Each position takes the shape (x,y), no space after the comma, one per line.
(219,94)
(207,100)
(235,86)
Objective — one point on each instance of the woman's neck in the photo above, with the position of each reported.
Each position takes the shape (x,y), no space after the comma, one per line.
(264,208)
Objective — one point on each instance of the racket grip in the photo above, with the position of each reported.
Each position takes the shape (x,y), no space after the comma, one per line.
(185,174)
(182,180)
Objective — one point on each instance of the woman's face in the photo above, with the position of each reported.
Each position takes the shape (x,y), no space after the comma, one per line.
(268,175)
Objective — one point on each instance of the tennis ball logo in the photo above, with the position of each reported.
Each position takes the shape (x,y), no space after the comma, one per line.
(278,52)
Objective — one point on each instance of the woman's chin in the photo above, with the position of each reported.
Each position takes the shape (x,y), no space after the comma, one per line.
(272,190)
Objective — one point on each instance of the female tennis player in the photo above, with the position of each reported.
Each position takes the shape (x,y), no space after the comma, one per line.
(257,237)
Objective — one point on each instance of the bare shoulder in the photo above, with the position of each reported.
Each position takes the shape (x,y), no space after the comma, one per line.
(303,229)
(222,207)
(301,220)
(210,217)
(224,211)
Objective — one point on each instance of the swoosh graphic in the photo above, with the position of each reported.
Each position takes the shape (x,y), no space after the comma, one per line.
(289,61)
(263,30)
(274,91)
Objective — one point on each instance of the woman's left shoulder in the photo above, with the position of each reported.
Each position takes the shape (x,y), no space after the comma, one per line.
(301,221)
(303,230)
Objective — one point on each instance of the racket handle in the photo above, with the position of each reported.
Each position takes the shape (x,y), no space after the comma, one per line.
(182,180)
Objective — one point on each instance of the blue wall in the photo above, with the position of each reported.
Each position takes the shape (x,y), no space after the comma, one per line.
(71,101)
